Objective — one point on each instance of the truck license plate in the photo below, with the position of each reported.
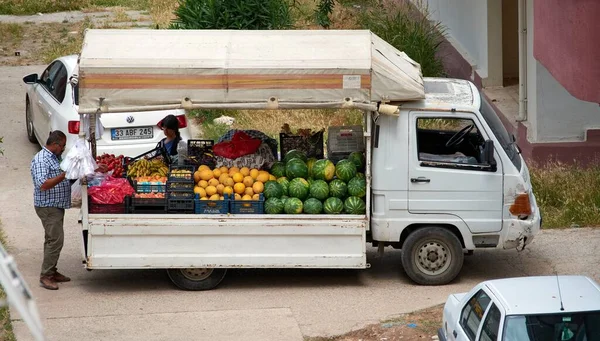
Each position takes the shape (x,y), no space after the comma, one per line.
(138,133)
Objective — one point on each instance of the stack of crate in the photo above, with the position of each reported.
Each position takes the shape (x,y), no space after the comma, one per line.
(180,189)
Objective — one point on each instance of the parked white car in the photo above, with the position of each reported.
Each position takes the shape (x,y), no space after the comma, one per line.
(51,103)
(547,308)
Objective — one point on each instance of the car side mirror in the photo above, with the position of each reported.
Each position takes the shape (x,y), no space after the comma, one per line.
(488,154)
(31,79)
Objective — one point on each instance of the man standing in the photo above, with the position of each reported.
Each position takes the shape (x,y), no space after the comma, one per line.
(51,196)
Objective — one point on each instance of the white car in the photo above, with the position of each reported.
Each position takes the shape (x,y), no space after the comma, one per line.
(51,104)
(546,308)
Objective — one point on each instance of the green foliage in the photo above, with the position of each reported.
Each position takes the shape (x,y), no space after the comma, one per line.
(232,14)
(24,7)
(324,9)
(409,31)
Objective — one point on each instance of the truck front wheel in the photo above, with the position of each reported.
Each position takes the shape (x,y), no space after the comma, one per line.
(432,256)
(196,278)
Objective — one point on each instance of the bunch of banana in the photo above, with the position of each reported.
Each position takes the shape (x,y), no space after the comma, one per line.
(143,167)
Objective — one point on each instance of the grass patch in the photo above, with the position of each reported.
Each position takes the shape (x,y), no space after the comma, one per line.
(568,195)
(27,7)
(120,15)
(68,44)
(162,11)
(6,330)
(11,33)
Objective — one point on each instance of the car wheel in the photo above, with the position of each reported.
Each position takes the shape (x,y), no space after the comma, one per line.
(29,122)
(196,278)
(432,256)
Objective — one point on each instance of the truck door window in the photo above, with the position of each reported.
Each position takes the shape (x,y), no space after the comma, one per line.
(472,313)
(491,325)
(449,142)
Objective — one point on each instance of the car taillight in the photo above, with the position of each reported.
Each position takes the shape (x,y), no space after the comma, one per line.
(521,206)
(182,121)
(73,127)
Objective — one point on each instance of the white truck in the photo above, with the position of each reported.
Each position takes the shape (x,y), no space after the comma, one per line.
(443,175)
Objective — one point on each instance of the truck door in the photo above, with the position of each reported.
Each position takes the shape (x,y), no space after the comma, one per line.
(446,172)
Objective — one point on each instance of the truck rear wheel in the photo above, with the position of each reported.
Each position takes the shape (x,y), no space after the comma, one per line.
(432,256)
(196,278)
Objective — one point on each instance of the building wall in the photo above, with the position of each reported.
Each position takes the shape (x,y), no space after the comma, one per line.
(566,43)
(467,28)
(510,38)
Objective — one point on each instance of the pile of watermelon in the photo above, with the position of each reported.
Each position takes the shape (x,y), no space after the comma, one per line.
(313,186)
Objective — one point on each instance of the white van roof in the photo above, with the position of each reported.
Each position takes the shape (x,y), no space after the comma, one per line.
(138,68)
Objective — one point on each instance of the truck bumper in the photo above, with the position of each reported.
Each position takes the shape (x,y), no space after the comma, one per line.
(522,232)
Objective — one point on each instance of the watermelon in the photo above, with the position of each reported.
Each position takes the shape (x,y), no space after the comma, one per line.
(360,175)
(285,183)
(296,168)
(354,205)
(294,154)
(274,206)
(338,189)
(293,206)
(345,170)
(310,163)
(358,158)
(298,188)
(319,189)
(323,170)
(278,169)
(357,187)
(333,205)
(313,206)
(273,189)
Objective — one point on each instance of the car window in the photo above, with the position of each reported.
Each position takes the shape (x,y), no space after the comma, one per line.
(54,79)
(447,141)
(472,313)
(572,326)
(491,325)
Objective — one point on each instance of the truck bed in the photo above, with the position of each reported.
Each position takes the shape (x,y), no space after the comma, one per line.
(130,241)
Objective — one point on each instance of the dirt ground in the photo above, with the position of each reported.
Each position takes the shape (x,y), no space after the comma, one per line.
(419,325)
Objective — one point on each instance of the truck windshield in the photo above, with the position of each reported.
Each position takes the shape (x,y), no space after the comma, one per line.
(506,141)
(584,326)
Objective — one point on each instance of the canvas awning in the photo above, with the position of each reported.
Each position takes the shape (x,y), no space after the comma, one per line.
(141,69)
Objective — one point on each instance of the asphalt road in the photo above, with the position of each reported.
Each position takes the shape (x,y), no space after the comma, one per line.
(249,304)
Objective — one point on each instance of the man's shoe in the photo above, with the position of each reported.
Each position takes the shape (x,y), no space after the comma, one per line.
(60,278)
(48,282)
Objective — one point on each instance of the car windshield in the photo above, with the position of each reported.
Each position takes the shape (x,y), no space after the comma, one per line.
(584,326)
(506,141)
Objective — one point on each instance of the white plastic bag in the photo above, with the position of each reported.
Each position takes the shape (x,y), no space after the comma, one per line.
(76,194)
(79,161)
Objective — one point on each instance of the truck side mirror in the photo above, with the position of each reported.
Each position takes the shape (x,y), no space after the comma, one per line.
(31,79)
(488,154)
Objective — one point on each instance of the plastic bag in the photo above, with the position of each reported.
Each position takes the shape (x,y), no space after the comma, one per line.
(241,144)
(111,191)
(79,161)
(76,194)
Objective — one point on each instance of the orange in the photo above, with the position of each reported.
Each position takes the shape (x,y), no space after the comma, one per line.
(224,169)
(200,191)
(215,197)
(263,176)
(228,190)
(223,177)
(258,187)
(272,177)
(204,198)
(233,170)
(239,188)
(206,174)
(203,167)
(238,177)
(197,176)
(211,190)
(246,197)
(245,171)
(254,173)
(256,196)
(203,183)
(221,197)
(216,173)
(249,191)
(237,196)
(220,188)
(213,182)
(229,182)
(248,181)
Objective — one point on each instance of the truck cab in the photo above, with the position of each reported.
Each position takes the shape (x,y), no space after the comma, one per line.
(447,176)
